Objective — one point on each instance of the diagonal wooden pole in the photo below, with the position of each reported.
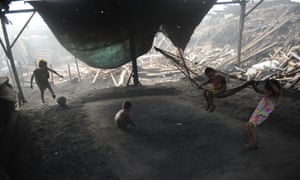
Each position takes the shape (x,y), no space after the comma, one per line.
(241,29)
(11,58)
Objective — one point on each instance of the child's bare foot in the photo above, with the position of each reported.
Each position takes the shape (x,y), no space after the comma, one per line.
(207,107)
(251,146)
(211,108)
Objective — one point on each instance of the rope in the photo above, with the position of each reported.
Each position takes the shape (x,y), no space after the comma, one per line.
(186,71)
(232,91)
(180,67)
(176,58)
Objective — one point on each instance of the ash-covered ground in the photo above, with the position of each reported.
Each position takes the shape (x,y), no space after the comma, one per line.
(175,138)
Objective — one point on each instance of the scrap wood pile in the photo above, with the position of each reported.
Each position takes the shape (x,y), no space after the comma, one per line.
(152,69)
(270,44)
(264,30)
(283,65)
(289,68)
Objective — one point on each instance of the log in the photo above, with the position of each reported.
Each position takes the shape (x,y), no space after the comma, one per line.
(291,73)
(245,59)
(121,80)
(267,32)
(96,76)
(294,81)
(294,55)
(284,63)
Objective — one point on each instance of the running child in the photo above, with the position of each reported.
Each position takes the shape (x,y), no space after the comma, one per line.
(41,76)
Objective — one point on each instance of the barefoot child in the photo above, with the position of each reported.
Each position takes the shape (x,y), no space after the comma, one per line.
(122,119)
(218,85)
(41,76)
(264,108)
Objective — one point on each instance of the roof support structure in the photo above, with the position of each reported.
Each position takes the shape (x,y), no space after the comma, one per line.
(25,25)
(228,2)
(7,47)
(247,13)
(241,29)
(133,60)
(243,15)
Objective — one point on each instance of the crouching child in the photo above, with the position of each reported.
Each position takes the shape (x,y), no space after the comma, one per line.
(122,119)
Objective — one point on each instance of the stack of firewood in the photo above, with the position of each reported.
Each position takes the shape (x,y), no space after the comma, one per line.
(290,63)
(281,65)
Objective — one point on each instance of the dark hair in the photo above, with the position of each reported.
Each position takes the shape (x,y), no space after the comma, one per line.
(268,86)
(209,70)
(42,63)
(126,105)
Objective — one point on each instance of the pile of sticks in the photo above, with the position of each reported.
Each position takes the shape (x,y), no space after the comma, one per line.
(290,63)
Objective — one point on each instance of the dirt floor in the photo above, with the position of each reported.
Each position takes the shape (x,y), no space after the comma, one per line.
(175,137)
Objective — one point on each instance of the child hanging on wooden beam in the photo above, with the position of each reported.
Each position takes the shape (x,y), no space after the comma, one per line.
(265,107)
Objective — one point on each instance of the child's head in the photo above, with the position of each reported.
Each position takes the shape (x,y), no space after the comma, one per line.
(126,105)
(209,71)
(268,86)
(42,63)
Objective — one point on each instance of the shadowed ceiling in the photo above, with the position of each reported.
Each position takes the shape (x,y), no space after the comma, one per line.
(105,33)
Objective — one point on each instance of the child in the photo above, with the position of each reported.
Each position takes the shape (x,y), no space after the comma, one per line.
(218,85)
(264,108)
(122,119)
(41,76)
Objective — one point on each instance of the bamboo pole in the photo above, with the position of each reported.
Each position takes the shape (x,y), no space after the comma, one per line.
(77,67)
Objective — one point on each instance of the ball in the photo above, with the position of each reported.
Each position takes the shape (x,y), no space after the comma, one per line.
(62,101)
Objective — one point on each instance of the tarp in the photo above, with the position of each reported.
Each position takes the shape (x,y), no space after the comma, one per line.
(99,32)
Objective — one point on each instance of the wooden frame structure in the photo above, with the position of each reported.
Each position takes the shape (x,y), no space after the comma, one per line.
(7,47)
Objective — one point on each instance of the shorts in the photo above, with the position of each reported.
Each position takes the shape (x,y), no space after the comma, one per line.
(258,119)
(213,91)
(263,110)
(122,124)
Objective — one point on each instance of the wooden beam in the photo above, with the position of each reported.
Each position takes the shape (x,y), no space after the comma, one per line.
(229,2)
(20,11)
(247,13)
(11,58)
(25,25)
(241,29)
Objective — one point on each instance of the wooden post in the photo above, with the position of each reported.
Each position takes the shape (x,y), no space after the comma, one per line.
(133,59)
(51,75)
(77,67)
(11,58)
(22,77)
(10,72)
(69,69)
(241,29)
